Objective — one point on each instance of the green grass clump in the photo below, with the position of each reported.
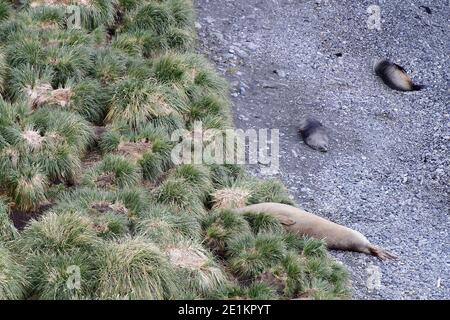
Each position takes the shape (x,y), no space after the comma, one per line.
(255,291)
(270,191)
(309,247)
(109,213)
(68,275)
(58,233)
(13,277)
(196,268)
(5,10)
(92,14)
(7,230)
(73,130)
(131,202)
(24,182)
(162,224)
(251,255)
(114,171)
(109,65)
(263,223)
(177,194)
(197,176)
(328,279)
(220,227)
(137,101)
(149,147)
(207,106)
(134,269)
(88,99)
(68,62)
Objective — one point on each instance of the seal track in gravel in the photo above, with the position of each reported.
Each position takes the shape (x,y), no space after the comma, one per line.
(387,171)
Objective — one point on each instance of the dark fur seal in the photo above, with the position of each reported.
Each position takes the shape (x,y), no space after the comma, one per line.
(336,236)
(314,134)
(395,76)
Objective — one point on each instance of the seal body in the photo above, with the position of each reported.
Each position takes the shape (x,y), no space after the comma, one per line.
(302,222)
(314,134)
(394,76)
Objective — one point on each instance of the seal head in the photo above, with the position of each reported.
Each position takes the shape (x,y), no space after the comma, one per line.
(314,134)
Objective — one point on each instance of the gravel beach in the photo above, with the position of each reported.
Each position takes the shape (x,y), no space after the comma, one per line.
(387,170)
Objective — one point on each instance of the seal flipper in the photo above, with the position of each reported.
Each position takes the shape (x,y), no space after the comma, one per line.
(380,253)
(417,87)
(285,221)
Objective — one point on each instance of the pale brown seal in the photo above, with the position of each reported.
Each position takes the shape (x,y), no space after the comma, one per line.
(335,236)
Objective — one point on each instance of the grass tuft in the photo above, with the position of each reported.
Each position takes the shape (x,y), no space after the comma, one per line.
(114,171)
(13,277)
(250,255)
(220,227)
(134,269)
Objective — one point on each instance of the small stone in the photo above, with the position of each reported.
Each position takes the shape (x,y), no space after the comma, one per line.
(252,46)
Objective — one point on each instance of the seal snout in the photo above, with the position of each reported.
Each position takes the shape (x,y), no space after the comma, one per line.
(314,134)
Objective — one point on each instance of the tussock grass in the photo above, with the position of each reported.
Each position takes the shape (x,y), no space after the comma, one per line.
(5,10)
(263,223)
(24,182)
(109,65)
(108,216)
(197,176)
(196,268)
(114,171)
(309,247)
(162,224)
(134,269)
(137,101)
(250,255)
(68,275)
(220,227)
(255,291)
(88,99)
(177,194)
(58,233)
(86,121)
(242,191)
(7,230)
(68,62)
(149,147)
(271,190)
(131,202)
(93,13)
(13,277)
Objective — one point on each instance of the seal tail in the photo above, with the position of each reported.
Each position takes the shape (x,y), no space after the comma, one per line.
(381,253)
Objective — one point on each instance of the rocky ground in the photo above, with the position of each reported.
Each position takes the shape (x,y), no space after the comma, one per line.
(387,171)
